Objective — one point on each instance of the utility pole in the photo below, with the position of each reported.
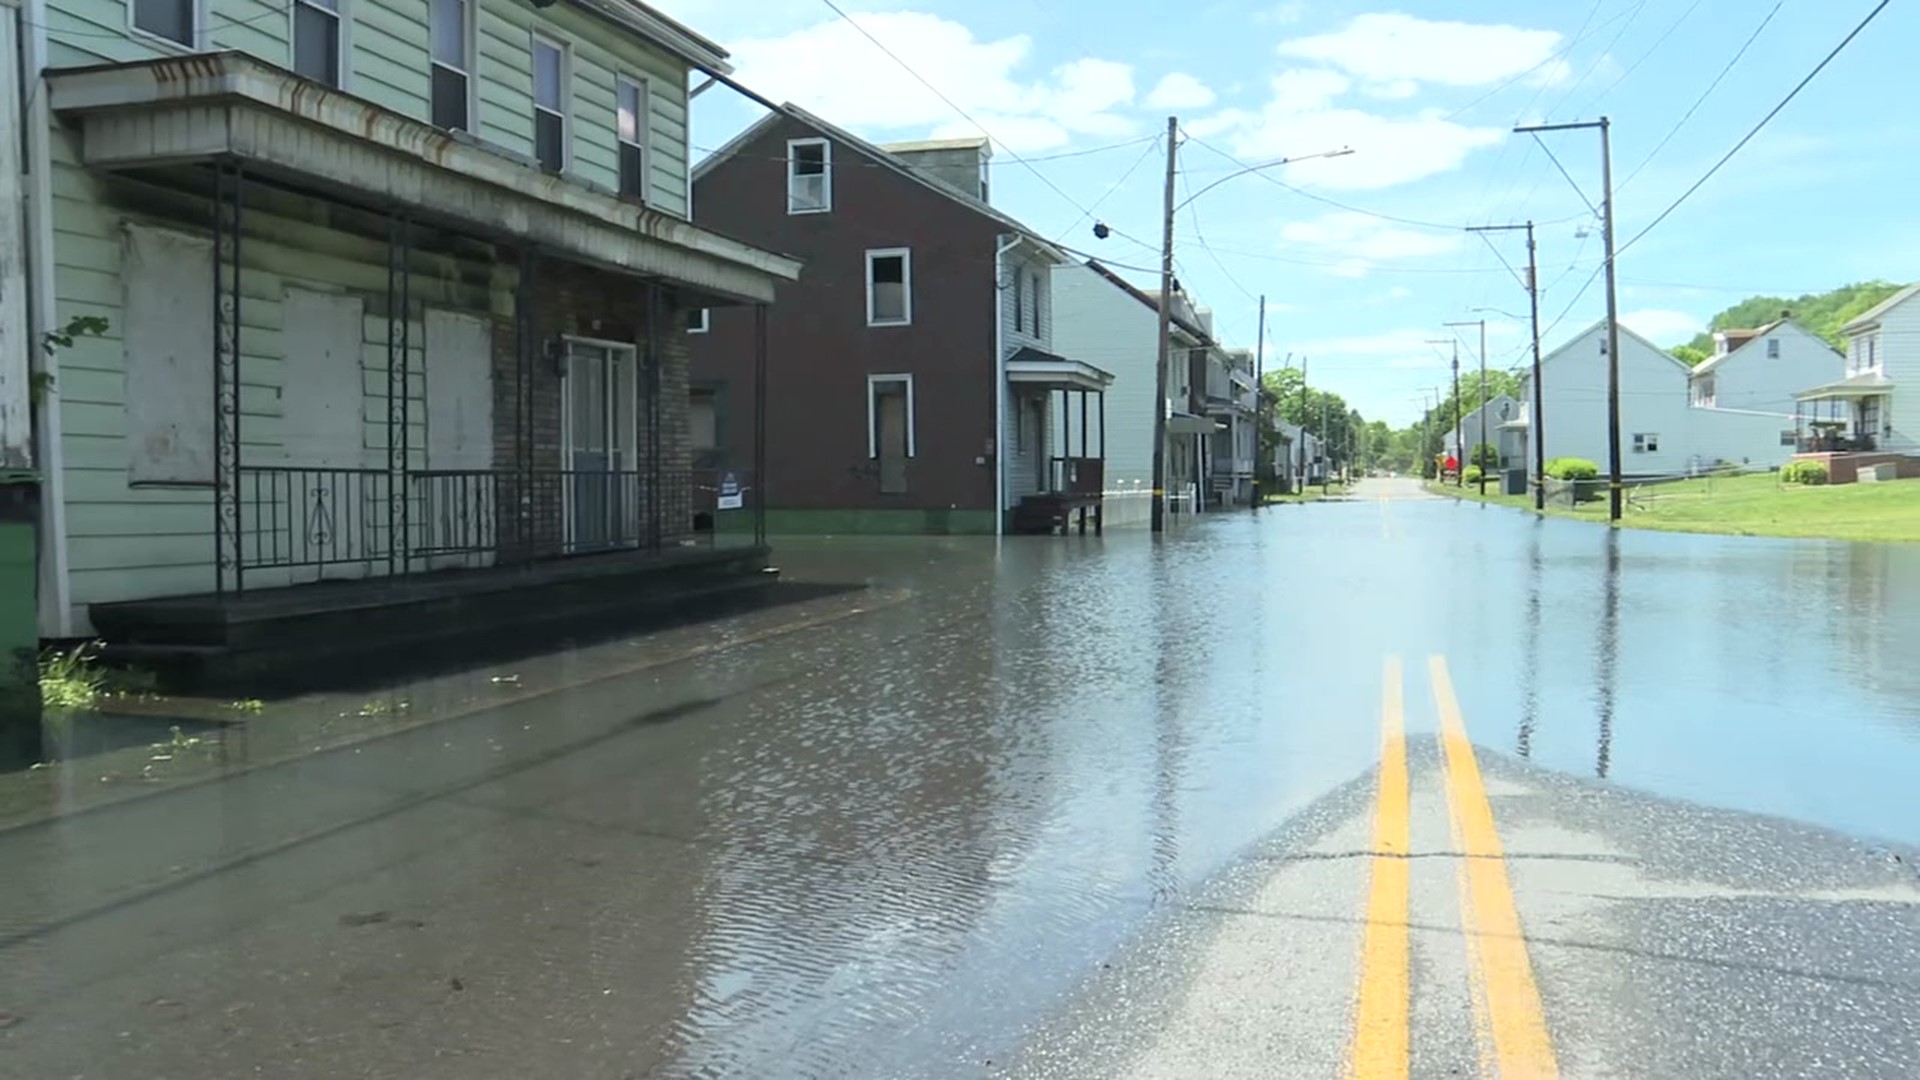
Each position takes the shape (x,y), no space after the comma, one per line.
(1460,470)
(1614,486)
(1532,285)
(1159,505)
(1259,395)
(1305,465)
(1482,324)
(1326,448)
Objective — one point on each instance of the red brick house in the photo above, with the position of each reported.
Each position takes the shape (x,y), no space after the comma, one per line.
(916,387)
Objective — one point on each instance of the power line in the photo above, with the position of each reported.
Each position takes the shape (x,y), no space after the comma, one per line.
(991,164)
(1322,198)
(1701,100)
(1565,174)
(1154,140)
(1748,137)
(1655,47)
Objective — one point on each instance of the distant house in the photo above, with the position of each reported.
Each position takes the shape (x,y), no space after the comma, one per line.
(1100,316)
(1851,421)
(919,387)
(1756,373)
(1461,440)
(1232,401)
(1300,458)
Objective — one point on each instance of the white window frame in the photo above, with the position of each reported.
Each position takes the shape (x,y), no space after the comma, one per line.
(705,324)
(565,48)
(469,59)
(645,131)
(343,24)
(873,416)
(826,167)
(1646,442)
(906,284)
(199,33)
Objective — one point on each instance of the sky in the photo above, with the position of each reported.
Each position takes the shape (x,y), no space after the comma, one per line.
(1363,257)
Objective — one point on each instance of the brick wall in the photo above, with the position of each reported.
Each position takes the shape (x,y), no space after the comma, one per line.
(575,301)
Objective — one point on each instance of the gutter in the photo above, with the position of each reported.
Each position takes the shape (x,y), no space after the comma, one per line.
(56,607)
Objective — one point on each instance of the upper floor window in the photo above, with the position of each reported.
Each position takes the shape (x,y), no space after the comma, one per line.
(452,33)
(1703,391)
(550,104)
(177,21)
(633,106)
(1773,348)
(809,176)
(1872,358)
(889,287)
(697,320)
(1019,301)
(317,40)
(1034,281)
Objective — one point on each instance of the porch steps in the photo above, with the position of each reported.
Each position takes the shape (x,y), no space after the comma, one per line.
(329,633)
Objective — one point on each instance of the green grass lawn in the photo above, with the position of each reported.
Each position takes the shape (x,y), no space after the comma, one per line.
(1753,506)
(1310,494)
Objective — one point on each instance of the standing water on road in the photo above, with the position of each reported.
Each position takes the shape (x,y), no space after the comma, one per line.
(906,835)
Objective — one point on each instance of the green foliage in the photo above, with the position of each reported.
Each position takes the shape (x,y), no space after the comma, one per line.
(41,383)
(1472,475)
(71,679)
(1691,355)
(1485,456)
(1572,468)
(1810,473)
(1823,313)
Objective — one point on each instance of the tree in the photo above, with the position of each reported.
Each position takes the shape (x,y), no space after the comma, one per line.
(1823,313)
(1690,355)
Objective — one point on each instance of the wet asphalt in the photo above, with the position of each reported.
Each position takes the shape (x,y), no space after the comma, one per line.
(1065,808)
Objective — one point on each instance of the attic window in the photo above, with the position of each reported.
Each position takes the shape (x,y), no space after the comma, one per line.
(1773,348)
(809,176)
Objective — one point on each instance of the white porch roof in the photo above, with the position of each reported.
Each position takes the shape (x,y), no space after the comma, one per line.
(1853,387)
(234,107)
(1030,366)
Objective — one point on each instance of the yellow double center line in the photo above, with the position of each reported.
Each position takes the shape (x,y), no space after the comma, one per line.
(1512,1024)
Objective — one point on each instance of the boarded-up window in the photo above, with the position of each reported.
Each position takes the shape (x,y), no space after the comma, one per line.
(167,307)
(459,391)
(322,404)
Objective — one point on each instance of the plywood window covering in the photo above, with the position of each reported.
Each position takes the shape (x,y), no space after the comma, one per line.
(167,364)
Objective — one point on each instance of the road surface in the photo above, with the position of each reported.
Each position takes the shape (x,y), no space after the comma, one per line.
(1392,786)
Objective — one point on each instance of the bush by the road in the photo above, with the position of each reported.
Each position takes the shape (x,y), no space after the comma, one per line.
(1572,468)
(1472,475)
(1811,473)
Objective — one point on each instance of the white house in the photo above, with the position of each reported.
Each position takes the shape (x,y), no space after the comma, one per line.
(1883,347)
(1498,410)
(1105,320)
(1745,392)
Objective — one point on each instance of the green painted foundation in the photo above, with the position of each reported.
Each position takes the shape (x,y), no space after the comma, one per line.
(863,522)
(19,620)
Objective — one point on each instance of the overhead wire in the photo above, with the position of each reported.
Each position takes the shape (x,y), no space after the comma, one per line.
(1651,49)
(1757,128)
(1088,212)
(1701,100)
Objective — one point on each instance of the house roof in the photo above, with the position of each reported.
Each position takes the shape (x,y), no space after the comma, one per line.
(669,33)
(1867,319)
(1713,363)
(880,156)
(913,146)
(1625,332)
(1865,384)
(1150,299)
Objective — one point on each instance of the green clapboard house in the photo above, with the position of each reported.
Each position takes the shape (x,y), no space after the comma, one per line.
(392,301)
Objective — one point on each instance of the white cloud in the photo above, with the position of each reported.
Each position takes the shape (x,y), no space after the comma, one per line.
(1305,90)
(1179,90)
(832,69)
(1367,238)
(1392,91)
(1399,292)
(1282,14)
(1387,48)
(1661,326)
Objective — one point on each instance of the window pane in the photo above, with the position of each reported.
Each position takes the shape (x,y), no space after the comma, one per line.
(633,171)
(550,140)
(450,32)
(546,75)
(316,44)
(449,99)
(170,19)
(810,159)
(629,111)
(889,269)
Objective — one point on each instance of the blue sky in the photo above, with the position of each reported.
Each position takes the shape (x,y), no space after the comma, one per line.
(1425,94)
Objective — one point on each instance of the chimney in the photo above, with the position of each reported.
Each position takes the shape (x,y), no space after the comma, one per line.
(1785,314)
(959,163)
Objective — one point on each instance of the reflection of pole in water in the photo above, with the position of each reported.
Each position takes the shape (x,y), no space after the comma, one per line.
(1609,663)
(1530,664)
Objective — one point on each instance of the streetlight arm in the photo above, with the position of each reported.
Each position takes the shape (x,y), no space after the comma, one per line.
(1343,152)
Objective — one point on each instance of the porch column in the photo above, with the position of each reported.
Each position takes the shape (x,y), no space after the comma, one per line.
(399,400)
(759,424)
(228,207)
(655,363)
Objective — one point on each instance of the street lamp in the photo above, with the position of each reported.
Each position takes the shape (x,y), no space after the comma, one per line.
(1165,344)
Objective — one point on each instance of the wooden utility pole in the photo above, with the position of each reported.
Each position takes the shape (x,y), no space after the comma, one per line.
(1259,395)
(1614,485)
(1159,504)
(1534,425)
(1465,459)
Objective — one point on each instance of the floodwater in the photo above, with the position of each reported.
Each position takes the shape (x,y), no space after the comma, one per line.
(896,840)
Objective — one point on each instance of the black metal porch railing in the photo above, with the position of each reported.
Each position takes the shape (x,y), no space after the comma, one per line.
(298,516)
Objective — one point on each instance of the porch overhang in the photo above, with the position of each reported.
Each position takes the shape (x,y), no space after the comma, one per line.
(1189,424)
(1032,367)
(231,107)
(1852,388)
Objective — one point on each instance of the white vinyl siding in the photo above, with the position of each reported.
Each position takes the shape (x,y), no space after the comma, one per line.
(1024,311)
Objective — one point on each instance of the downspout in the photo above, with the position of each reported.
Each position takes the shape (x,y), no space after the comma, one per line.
(56,608)
(1000,389)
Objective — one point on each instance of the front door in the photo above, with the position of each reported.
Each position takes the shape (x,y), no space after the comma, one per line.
(890,423)
(1867,424)
(598,478)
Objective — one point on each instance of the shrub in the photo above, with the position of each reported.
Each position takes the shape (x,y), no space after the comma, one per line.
(1473,474)
(1572,468)
(1811,473)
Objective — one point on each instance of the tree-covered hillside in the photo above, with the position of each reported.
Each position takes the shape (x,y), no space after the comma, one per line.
(1823,313)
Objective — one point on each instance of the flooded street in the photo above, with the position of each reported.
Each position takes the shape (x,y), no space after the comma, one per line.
(1057,807)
